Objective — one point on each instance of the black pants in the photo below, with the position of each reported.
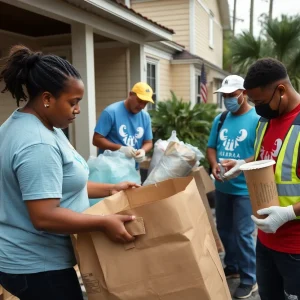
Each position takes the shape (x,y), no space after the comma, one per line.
(51,285)
(278,274)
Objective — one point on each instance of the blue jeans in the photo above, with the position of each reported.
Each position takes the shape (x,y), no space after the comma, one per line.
(58,285)
(278,274)
(235,227)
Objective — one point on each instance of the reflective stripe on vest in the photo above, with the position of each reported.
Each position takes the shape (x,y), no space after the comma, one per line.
(289,189)
(287,181)
(260,132)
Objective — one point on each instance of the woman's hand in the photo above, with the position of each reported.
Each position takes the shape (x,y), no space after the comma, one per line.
(123,186)
(114,228)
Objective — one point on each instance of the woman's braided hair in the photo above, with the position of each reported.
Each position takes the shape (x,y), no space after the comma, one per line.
(35,71)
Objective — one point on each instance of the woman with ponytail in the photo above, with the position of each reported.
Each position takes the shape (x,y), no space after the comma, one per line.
(43,181)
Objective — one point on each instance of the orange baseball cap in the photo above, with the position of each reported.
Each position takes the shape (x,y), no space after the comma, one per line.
(143,91)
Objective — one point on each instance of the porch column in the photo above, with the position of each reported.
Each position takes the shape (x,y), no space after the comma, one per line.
(83,60)
(138,67)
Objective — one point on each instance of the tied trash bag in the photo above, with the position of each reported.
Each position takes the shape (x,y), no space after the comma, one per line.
(159,149)
(112,167)
(178,161)
(173,257)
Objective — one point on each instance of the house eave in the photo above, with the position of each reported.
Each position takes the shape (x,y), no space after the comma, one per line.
(225,15)
(124,17)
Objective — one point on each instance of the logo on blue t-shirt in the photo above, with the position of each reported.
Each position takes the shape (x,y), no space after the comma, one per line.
(230,144)
(131,140)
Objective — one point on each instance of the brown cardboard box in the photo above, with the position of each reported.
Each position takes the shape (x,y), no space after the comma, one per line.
(174,256)
(199,177)
(261,185)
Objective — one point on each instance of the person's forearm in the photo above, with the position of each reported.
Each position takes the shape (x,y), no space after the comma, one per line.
(297,209)
(211,155)
(104,144)
(147,146)
(99,190)
(66,221)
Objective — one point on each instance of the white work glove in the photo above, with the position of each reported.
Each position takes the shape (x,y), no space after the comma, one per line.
(277,216)
(235,170)
(128,151)
(140,155)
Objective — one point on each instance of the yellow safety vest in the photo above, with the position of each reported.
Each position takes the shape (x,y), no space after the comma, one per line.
(286,178)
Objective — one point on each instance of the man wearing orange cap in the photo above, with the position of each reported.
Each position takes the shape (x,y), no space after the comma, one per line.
(125,126)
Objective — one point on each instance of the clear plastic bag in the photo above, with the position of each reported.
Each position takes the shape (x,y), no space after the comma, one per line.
(112,167)
(178,161)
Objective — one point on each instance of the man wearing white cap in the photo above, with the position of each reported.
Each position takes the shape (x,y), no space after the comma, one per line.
(232,137)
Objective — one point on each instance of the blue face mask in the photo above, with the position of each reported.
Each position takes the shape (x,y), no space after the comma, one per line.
(232,103)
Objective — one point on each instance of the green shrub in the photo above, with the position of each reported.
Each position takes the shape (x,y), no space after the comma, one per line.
(192,124)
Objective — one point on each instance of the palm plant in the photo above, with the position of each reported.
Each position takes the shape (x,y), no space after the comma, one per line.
(192,124)
(280,39)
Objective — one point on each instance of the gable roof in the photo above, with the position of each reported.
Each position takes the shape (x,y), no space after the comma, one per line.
(187,56)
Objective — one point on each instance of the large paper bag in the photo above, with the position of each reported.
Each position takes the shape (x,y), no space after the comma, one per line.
(199,177)
(174,256)
(5,295)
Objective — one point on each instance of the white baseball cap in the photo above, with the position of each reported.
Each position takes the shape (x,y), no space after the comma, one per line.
(231,84)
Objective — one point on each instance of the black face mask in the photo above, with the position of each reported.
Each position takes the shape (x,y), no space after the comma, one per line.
(266,111)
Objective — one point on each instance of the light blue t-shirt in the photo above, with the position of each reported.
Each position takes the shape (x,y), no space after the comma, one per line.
(235,141)
(122,127)
(36,163)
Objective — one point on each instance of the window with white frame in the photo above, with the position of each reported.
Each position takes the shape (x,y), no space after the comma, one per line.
(211,30)
(152,74)
(198,89)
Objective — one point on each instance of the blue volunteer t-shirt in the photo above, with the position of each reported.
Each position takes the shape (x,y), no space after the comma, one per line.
(36,163)
(122,127)
(235,141)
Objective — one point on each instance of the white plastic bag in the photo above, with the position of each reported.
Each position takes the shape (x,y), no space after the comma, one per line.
(159,149)
(178,161)
(112,167)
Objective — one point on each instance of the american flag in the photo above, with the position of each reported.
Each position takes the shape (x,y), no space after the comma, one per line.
(203,87)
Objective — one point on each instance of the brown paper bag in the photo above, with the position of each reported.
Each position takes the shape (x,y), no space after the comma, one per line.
(207,181)
(174,256)
(5,295)
(8,296)
(198,176)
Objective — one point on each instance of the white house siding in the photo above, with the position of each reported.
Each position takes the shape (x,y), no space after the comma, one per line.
(181,81)
(202,48)
(213,6)
(110,77)
(171,13)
